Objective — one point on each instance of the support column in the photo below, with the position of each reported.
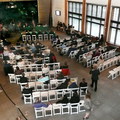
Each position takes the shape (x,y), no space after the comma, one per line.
(43,11)
(83,17)
(107,21)
(38,5)
(66,12)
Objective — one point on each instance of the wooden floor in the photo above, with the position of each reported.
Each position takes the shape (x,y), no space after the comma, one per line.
(106,101)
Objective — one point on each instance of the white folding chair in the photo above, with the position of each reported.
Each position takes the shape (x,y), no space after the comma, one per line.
(22,86)
(39,86)
(12,78)
(18,78)
(36,96)
(65,108)
(81,106)
(67,93)
(51,36)
(59,94)
(33,37)
(24,38)
(53,84)
(46,60)
(27,98)
(28,37)
(56,109)
(44,96)
(74,108)
(52,95)
(46,87)
(40,37)
(83,91)
(32,85)
(48,111)
(45,36)
(56,66)
(39,112)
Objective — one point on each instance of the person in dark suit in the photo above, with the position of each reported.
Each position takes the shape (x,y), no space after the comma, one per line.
(83,83)
(75,98)
(94,76)
(63,100)
(27,90)
(23,79)
(63,85)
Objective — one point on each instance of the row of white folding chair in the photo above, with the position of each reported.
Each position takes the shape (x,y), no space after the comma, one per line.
(45,96)
(40,86)
(35,37)
(60,109)
(89,61)
(114,73)
(29,99)
(109,63)
(55,66)
(32,76)
(105,56)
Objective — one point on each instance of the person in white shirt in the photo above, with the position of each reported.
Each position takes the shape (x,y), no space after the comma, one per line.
(45,69)
(11,55)
(18,57)
(21,62)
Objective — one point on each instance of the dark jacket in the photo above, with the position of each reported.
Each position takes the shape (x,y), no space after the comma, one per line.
(95,74)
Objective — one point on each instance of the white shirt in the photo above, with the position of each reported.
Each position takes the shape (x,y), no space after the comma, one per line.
(11,56)
(18,57)
(45,70)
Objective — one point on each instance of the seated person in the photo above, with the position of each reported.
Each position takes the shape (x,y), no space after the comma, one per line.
(8,68)
(23,79)
(72,48)
(1,49)
(18,57)
(83,83)
(63,85)
(18,71)
(45,69)
(11,55)
(60,75)
(39,61)
(44,79)
(80,52)
(100,61)
(52,58)
(20,62)
(72,84)
(63,100)
(27,90)
(39,104)
(65,65)
(75,98)
(12,47)
(6,54)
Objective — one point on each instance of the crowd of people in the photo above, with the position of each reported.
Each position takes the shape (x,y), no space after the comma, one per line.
(12,53)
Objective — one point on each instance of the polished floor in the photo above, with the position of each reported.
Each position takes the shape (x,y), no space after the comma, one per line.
(106,101)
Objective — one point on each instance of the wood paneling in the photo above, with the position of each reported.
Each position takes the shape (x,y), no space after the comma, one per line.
(107,20)
(66,12)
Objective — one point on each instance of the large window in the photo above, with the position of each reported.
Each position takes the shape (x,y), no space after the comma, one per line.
(95,19)
(115,27)
(75,14)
